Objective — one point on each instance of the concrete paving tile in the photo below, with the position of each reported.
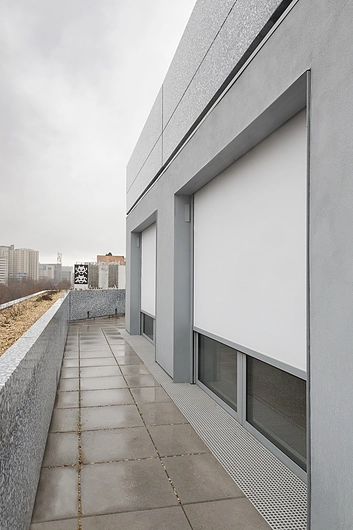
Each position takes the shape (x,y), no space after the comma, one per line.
(66,524)
(69,373)
(102,383)
(92,339)
(124,353)
(161,414)
(98,361)
(70,363)
(61,449)
(131,359)
(66,400)
(121,348)
(141,380)
(177,440)
(135,369)
(125,486)
(116,342)
(112,417)
(64,420)
(71,348)
(98,398)
(99,371)
(199,478)
(66,385)
(92,333)
(116,444)
(71,354)
(171,518)
(150,395)
(95,353)
(218,515)
(61,482)
(98,346)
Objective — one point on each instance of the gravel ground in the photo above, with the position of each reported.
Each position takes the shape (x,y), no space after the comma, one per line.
(17,319)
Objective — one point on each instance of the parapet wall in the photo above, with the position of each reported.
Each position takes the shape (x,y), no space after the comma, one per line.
(29,374)
(92,303)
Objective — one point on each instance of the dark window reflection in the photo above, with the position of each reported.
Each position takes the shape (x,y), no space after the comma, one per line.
(147,326)
(276,407)
(218,369)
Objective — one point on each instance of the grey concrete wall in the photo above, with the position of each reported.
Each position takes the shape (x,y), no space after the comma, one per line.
(214,41)
(91,303)
(29,373)
(313,36)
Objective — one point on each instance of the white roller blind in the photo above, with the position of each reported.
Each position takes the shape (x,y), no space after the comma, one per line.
(250,248)
(148,270)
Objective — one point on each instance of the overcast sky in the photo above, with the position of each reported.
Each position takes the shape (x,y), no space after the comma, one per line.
(77,81)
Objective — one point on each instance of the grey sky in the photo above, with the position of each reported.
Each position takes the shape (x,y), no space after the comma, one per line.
(77,81)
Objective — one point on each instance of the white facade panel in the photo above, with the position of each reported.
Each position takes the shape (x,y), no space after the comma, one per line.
(122,276)
(148,270)
(250,226)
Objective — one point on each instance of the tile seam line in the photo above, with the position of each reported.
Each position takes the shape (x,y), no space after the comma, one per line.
(79,430)
(150,436)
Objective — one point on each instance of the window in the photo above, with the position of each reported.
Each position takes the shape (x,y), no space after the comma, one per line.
(276,407)
(218,369)
(148,326)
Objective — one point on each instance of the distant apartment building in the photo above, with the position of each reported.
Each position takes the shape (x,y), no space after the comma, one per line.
(66,274)
(93,276)
(115,275)
(55,272)
(47,271)
(109,258)
(4,263)
(23,262)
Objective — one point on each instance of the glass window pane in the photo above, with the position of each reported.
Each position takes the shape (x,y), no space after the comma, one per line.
(147,328)
(218,369)
(276,407)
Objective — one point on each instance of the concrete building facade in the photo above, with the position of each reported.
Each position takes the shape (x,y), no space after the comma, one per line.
(109,258)
(4,263)
(24,262)
(246,155)
(67,274)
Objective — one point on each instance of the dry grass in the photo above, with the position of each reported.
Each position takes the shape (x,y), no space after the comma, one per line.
(17,319)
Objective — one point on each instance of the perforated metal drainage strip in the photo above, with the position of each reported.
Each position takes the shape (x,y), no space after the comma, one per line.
(277,493)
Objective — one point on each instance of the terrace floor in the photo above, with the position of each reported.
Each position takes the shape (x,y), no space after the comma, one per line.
(120,454)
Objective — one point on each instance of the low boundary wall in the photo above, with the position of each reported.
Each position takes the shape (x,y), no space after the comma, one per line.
(92,303)
(29,374)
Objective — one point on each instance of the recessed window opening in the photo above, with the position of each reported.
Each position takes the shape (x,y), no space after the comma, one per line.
(218,369)
(148,326)
(276,407)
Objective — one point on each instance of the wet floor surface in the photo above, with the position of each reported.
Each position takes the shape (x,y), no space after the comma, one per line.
(120,454)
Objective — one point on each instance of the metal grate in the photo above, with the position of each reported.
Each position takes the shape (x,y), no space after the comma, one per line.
(275,491)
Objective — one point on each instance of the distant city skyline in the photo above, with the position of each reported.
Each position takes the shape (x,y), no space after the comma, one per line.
(77,83)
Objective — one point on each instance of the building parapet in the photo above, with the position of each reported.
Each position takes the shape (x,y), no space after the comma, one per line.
(29,375)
